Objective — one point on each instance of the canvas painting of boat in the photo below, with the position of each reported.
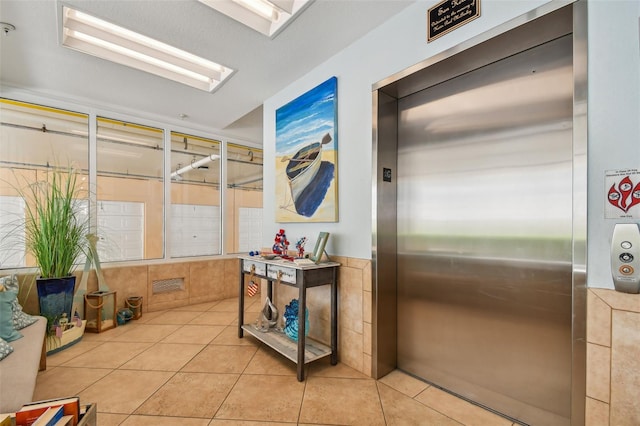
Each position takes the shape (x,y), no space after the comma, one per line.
(306,156)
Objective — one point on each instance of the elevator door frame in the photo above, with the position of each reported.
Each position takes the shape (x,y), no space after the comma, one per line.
(545,23)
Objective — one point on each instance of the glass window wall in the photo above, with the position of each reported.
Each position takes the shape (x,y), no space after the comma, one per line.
(128,195)
(243,199)
(195,196)
(129,191)
(35,140)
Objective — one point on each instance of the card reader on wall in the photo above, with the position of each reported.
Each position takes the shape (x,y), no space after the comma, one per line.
(625,257)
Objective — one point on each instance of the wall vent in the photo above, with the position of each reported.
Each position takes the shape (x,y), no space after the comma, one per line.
(166,286)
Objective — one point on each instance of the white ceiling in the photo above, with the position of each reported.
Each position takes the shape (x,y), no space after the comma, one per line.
(32,58)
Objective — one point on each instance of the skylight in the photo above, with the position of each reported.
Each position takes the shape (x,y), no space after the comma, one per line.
(268,17)
(91,35)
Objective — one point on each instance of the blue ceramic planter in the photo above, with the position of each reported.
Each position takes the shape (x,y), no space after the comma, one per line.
(55,296)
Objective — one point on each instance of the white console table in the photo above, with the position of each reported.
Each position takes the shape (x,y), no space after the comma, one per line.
(302,276)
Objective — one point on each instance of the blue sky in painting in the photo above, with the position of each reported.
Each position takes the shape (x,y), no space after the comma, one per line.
(307,119)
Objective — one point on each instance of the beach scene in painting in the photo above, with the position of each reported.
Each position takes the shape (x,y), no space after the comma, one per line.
(306,156)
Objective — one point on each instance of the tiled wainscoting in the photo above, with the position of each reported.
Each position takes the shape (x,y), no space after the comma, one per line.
(613,323)
(613,358)
(214,280)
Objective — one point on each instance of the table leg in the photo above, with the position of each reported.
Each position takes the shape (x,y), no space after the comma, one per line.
(241,303)
(302,307)
(334,317)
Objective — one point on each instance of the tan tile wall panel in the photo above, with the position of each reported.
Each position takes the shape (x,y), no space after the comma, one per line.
(354,306)
(613,358)
(231,275)
(625,368)
(126,281)
(171,299)
(350,296)
(218,279)
(206,279)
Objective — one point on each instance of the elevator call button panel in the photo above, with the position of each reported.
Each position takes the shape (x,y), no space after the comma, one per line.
(625,257)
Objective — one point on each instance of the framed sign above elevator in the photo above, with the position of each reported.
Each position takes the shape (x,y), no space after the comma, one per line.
(449,15)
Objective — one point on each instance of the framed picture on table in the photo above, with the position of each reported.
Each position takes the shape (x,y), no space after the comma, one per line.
(318,250)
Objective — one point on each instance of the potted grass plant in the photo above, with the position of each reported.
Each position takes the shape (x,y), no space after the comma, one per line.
(55,235)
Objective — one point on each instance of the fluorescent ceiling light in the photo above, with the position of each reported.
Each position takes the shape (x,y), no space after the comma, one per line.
(268,17)
(263,8)
(94,36)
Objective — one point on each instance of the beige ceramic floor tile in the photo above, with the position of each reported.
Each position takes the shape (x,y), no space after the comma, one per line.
(66,381)
(146,317)
(333,401)
(228,305)
(164,357)
(175,317)
(401,410)
(221,359)
(163,421)
(404,383)
(256,399)
(266,398)
(215,318)
(190,395)
(229,336)
(109,334)
(123,391)
(268,361)
(71,352)
(323,368)
(107,419)
(218,422)
(459,409)
(108,355)
(201,334)
(147,333)
(200,307)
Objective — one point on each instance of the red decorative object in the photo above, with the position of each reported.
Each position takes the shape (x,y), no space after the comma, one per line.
(281,245)
(300,246)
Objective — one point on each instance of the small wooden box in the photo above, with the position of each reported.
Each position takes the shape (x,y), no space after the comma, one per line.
(100,311)
(90,416)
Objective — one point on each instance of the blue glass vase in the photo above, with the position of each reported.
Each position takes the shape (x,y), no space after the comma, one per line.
(291,320)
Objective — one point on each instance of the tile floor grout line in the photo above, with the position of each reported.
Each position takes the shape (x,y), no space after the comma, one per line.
(235,383)
(226,335)
(384,416)
(303,394)
(119,368)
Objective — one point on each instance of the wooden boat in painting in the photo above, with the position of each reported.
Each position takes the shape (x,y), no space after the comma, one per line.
(304,166)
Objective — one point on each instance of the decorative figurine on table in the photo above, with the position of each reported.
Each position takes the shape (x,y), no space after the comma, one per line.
(300,246)
(281,244)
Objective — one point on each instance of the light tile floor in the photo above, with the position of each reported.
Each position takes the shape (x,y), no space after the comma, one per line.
(186,366)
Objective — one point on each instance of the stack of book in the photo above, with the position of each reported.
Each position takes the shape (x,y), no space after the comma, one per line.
(52,412)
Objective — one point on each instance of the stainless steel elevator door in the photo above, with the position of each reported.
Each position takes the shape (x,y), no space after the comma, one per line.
(484,229)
